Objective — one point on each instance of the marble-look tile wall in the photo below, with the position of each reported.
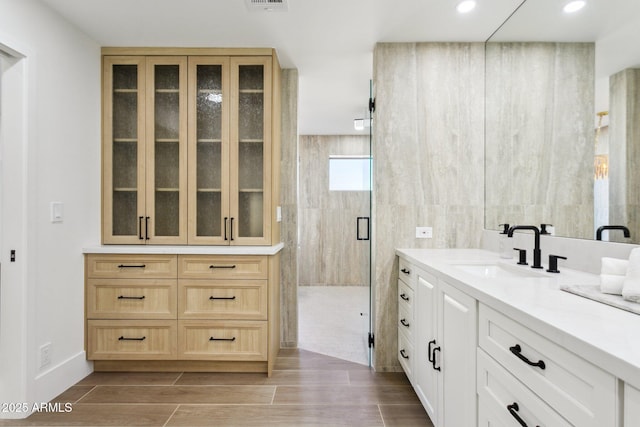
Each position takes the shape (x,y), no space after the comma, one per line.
(289,205)
(540,136)
(329,252)
(428,156)
(624,153)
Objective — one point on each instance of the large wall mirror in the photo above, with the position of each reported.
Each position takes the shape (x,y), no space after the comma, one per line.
(563,119)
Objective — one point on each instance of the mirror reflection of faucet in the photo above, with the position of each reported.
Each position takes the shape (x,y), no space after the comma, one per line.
(600,229)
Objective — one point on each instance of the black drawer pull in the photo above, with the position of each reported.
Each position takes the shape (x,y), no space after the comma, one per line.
(403,354)
(123,297)
(513,410)
(132,339)
(222,339)
(433,362)
(430,351)
(404,297)
(406,271)
(132,266)
(222,266)
(230,298)
(404,322)
(517,351)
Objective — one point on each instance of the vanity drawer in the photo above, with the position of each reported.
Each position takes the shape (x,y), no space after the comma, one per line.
(405,355)
(101,266)
(222,267)
(582,393)
(131,298)
(405,322)
(220,299)
(405,297)
(131,339)
(406,273)
(502,398)
(222,340)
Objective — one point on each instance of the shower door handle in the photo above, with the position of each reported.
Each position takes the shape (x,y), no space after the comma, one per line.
(358,235)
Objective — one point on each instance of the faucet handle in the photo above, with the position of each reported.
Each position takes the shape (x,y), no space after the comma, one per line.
(543,228)
(553,263)
(522,256)
(505,228)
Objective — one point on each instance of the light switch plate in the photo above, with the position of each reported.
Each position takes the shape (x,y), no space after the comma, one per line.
(56,212)
(424,232)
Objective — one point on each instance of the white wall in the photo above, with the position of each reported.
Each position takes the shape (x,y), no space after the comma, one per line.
(62,164)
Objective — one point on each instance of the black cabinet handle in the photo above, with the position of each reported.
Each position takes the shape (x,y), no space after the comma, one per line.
(231,230)
(214,298)
(222,339)
(140,218)
(132,266)
(222,266)
(146,228)
(403,354)
(404,322)
(132,339)
(517,351)
(430,351)
(404,297)
(433,362)
(406,271)
(123,297)
(225,228)
(513,410)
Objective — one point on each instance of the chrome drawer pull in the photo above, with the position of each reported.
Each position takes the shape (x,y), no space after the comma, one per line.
(404,322)
(222,266)
(403,354)
(513,410)
(222,339)
(132,339)
(230,298)
(404,297)
(406,271)
(123,297)
(132,266)
(517,351)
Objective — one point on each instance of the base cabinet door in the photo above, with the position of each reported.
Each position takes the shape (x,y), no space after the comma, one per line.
(631,406)
(426,371)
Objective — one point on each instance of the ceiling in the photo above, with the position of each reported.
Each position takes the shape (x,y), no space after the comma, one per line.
(331,42)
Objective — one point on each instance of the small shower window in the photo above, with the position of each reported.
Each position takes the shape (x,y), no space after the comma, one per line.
(350,173)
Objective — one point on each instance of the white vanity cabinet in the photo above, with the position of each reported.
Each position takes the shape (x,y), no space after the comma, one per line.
(631,406)
(445,339)
(406,323)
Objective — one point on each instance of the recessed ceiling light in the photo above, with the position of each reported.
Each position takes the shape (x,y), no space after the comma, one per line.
(574,6)
(466,6)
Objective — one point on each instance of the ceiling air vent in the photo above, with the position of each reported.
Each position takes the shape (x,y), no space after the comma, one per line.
(267,5)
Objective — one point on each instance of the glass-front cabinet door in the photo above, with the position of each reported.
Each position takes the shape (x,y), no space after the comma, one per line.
(209,150)
(250,137)
(123,150)
(166,151)
(145,151)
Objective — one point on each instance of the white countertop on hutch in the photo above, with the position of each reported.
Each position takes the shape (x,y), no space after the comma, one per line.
(184,250)
(607,337)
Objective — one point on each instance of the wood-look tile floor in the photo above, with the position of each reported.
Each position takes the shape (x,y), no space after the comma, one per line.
(306,389)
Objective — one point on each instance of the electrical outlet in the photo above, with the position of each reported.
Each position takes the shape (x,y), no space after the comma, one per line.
(45,355)
(424,232)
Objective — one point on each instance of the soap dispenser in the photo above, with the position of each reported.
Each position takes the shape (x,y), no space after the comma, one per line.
(504,244)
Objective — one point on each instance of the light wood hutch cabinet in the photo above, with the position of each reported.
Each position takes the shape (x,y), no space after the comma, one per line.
(190,157)
(188,146)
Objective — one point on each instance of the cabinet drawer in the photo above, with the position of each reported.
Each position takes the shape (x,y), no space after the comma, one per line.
(222,340)
(405,297)
(405,355)
(131,266)
(131,339)
(222,267)
(131,298)
(502,398)
(220,299)
(582,393)
(406,273)
(405,322)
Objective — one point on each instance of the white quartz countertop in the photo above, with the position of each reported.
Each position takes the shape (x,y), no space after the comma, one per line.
(606,336)
(184,250)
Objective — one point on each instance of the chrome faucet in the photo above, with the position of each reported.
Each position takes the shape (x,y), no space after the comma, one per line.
(537,253)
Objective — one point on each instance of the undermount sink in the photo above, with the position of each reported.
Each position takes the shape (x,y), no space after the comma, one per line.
(495,270)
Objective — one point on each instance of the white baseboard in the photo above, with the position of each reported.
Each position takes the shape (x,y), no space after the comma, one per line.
(52,382)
